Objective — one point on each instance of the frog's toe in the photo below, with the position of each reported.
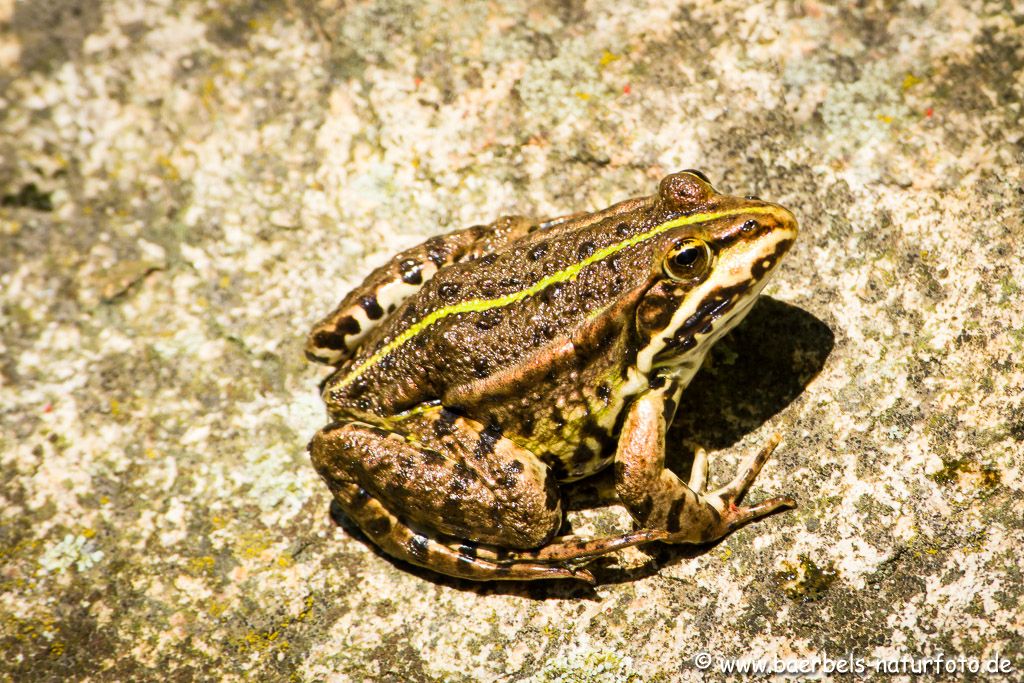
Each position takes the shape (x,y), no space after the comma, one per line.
(735,516)
(727,498)
(733,491)
(699,471)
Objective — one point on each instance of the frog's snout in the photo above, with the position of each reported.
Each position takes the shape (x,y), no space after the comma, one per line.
(787,221)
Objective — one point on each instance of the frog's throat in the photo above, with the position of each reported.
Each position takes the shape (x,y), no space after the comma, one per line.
(565,275)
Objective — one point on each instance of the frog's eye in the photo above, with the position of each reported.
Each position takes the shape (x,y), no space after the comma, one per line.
(688,260)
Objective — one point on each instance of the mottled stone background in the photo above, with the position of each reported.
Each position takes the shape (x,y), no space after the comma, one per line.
(187,185)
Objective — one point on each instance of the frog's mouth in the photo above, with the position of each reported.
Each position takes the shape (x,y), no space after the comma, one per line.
(717,314)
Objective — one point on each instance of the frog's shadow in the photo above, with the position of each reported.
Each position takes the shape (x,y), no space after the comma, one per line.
(752,374)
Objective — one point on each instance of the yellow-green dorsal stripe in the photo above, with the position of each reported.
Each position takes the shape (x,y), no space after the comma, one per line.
(564,275)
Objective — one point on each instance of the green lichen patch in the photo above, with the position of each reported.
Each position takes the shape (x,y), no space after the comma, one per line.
(804,580)
(967,473)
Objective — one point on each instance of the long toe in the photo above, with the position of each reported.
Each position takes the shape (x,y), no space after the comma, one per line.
(742,515)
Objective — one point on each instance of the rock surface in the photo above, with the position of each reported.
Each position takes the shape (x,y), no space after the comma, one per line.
(186,186)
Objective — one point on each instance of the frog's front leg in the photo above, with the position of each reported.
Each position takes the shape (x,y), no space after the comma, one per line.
(457,498)
(655,496)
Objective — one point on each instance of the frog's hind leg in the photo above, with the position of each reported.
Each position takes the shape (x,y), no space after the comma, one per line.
(572,548)
(453,502)
(730,495)
(465,560)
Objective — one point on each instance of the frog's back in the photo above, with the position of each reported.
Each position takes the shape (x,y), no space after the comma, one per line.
(491,325)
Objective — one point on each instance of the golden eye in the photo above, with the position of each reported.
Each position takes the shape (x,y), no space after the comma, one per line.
(688,260)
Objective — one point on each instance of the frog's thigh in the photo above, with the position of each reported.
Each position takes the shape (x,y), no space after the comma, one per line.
(657,499)
(457,478)
(353,460)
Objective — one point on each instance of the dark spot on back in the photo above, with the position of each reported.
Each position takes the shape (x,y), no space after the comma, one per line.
(411,271)
(622,229)
(330,339)
(459,484)
(449,291)
(551,293)
(481,368)
(585,249)
(509,476)
(432,457)
(603,391)
(453,512)
(436,251)
(489,319)
(489,259)
(537,251)
(369,304)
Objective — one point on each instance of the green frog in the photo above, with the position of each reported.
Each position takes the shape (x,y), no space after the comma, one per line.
(480,371)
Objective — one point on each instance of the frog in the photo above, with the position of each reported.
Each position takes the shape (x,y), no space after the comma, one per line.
(478,374)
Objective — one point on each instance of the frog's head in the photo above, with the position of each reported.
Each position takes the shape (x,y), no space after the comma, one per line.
(713,256)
